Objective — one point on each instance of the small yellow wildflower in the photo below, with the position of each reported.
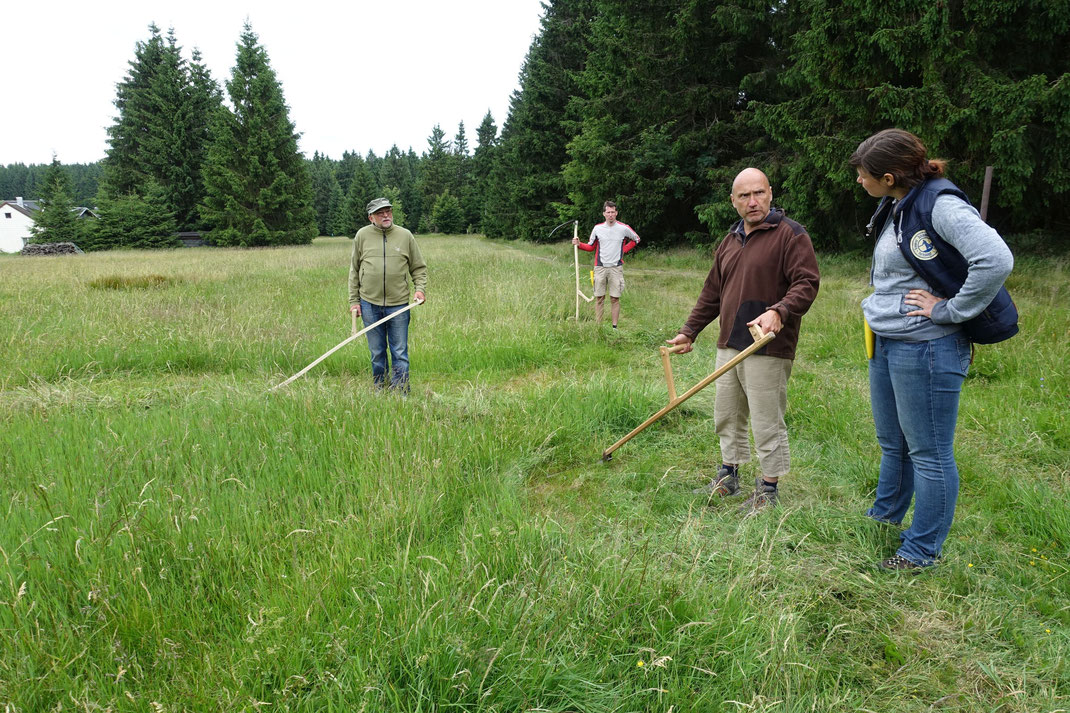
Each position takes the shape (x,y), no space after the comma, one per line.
(970,564)
(640,664)
(1034,549)
(1032,563)
(1047,631)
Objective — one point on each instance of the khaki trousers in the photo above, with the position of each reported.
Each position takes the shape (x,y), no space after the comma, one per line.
(757,388)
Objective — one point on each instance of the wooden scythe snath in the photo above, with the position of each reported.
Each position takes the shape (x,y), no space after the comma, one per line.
(760,340)
(341,344)
(576,259)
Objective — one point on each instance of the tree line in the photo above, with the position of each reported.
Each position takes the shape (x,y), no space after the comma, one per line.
(439,191)
(655,106)
(659,105)
(181,157)
(19,180)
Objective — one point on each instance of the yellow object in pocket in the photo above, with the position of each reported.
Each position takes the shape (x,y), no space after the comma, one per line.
(871,339)
(592,277)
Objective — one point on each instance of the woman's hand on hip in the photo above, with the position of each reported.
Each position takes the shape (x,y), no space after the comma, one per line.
(924,301)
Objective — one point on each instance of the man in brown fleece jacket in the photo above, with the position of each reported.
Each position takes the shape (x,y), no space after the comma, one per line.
(764,272)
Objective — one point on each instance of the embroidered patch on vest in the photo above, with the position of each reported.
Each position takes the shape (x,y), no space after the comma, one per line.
(921,245)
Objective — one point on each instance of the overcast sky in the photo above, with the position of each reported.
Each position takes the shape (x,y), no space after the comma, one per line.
(357,75)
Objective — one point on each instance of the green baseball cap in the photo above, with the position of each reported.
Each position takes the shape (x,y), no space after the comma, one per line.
(378,204)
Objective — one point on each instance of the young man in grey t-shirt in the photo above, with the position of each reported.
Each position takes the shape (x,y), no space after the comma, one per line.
(609,241)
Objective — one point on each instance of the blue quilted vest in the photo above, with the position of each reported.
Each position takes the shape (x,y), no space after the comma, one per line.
(942,266)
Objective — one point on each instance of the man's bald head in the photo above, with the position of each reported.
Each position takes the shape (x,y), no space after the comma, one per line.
(750,174)
(752,197)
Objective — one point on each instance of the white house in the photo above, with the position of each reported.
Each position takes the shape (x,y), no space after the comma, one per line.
(16,219)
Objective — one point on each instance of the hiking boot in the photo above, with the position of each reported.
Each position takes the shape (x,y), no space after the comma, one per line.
(724,484)
(900,564)
(764,496)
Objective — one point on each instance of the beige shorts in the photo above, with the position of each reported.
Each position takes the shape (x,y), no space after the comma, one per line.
(611,277)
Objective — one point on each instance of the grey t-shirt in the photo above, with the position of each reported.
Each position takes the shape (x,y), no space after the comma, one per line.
(988,257)
(611,242)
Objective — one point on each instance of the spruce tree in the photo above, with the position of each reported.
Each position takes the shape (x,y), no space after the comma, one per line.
(204,100)
(346,169)
(374,164)
(392,194)
(460,141)
(321,169)
(393,170)
(410,192)
(164,155)
(85,182)
(124,167)
(133,221)
(337,222)
(18,179)
(32,185)
(658,100)
(435,169)
(527,191)
(159,138)
(462,185)
(980,83)
(13,181)
(482,162)
(257,188)
(446,215)
(362,189)
(397,169)
(56,222)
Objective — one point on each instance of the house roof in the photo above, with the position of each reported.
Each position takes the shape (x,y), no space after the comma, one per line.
(29,203)
(26,208)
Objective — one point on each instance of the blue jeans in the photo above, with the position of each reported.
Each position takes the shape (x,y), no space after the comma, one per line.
(394,333)
(914,390)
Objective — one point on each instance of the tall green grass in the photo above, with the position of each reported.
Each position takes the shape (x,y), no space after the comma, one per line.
(176,538)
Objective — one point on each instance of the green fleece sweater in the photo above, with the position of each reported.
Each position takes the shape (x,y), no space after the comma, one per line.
(382,262)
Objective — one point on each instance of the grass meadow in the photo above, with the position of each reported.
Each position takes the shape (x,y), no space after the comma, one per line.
(173,538)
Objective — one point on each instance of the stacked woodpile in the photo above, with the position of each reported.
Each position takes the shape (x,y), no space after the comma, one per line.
(51,249)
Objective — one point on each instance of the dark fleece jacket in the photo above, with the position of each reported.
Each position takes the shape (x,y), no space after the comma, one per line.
(772,268)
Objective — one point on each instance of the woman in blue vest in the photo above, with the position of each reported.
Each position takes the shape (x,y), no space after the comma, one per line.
(937,277)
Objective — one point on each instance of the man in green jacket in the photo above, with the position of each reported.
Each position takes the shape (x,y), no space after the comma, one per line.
(385,256)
